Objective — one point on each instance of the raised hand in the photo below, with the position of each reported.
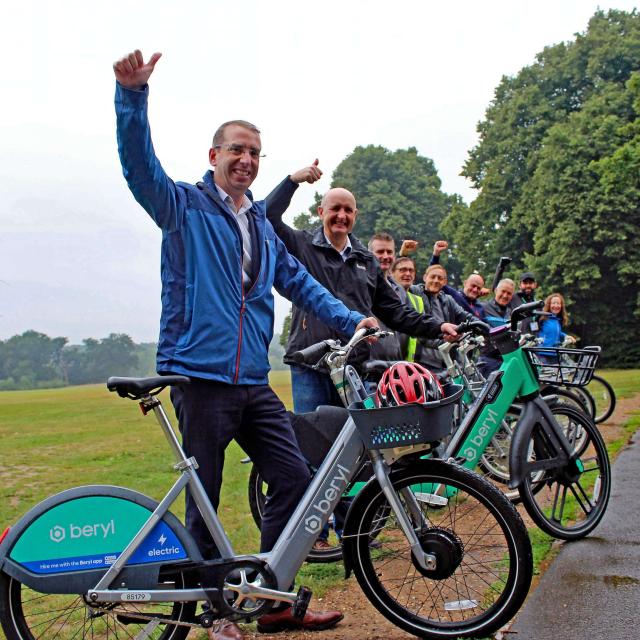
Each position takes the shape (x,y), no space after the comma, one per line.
(408,247)
(309,174)
(132,71)
(439,247)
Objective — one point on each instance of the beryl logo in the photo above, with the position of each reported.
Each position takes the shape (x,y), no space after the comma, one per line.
(312,524)
(323,506)
(57,534)
(97,530)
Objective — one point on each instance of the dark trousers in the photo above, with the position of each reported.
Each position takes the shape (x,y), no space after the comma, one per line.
(211,414)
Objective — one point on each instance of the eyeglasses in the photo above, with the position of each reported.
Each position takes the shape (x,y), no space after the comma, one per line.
(239,150)
(405,270)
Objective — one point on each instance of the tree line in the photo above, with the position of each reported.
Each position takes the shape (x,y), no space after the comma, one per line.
(557,171)
(33,360)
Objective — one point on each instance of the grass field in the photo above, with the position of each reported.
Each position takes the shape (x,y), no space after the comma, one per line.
(53,439)
(60,438)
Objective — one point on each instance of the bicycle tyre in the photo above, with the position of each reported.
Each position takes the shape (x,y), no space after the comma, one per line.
(480,541)
(29,615)
(604,398)
(494,462)
(257,493)
(569,502)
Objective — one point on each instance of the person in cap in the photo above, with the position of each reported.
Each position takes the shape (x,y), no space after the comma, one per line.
(527,292)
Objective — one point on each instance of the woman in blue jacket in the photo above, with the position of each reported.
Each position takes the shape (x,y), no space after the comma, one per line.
(551,326)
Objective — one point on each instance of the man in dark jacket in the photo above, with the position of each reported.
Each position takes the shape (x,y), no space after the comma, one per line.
(338,260)
(472,287)
(527,292)
(383,247)
(497,312)
(220,260)
(440,306)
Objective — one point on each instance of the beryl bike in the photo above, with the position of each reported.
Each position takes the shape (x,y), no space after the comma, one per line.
(105,562)
(557,460)
(461,369)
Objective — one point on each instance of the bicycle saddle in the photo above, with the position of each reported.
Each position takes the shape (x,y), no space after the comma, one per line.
(135,388)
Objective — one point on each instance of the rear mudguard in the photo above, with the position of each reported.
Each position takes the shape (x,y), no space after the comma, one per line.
(535,412)
(66,543)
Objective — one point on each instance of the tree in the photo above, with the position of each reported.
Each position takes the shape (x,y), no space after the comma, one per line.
(283,338)
(557,170)
(31,360)
(96,360)
(396,191)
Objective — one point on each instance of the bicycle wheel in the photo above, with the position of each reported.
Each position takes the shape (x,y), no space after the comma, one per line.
(494,462)
(258,491)
(569,502)
(604,397)
(29,615)
(483,553)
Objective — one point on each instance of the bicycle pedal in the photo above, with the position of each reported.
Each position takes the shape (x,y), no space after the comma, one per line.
(206,619)
(299,607)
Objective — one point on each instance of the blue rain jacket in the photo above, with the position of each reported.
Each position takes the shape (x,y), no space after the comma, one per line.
(210,326)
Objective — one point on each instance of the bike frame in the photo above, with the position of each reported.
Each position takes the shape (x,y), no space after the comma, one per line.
(515,380)
(294,543)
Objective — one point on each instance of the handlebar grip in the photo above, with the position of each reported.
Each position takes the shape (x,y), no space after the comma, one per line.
(311,354)
(474,326)
(524,311)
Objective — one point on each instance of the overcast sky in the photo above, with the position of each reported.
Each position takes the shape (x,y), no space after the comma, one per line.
(79,257)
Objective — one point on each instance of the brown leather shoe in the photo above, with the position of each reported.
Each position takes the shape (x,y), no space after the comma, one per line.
(284,621)
(225,630)
(321,545)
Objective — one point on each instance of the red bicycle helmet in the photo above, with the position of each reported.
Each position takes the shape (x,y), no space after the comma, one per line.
(405,382)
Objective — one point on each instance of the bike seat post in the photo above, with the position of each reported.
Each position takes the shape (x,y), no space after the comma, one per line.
(152,402)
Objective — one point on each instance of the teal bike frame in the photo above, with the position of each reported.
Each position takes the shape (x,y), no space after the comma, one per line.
(514,380)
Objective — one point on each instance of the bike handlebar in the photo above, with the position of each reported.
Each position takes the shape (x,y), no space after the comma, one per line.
(312,353)
(474,326)
(524,311)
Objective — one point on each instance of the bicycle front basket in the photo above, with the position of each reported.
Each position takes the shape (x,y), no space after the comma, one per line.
(567,367)
(408,424)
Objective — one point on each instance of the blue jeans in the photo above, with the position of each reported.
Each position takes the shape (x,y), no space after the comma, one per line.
(310,389)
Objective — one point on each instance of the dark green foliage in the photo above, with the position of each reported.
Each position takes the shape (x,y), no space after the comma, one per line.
(286,330)
(33,360)
(30,361)
(558,168)
(397,192)
(96,360)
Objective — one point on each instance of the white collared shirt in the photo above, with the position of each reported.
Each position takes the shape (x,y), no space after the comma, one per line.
(241,218)
(346,250)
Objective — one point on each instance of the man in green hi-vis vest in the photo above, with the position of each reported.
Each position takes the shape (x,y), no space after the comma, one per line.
(403,271)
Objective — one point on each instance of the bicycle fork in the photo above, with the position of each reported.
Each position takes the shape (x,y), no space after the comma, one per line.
(426,560)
